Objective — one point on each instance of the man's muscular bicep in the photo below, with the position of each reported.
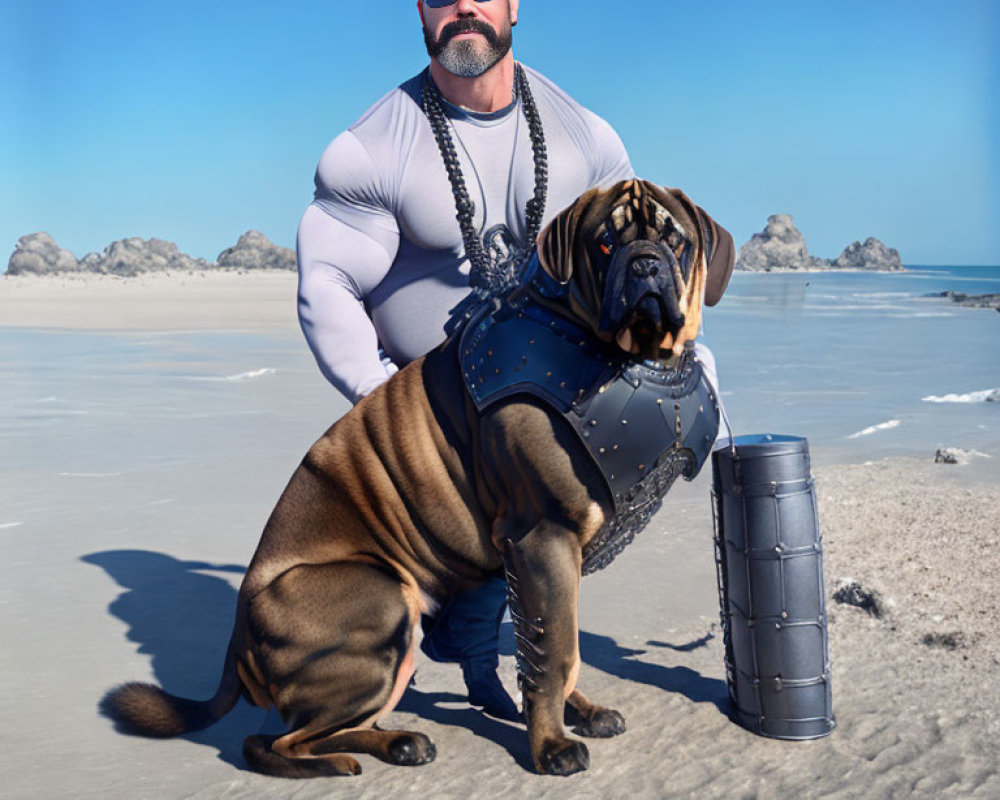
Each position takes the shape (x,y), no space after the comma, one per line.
(338,266)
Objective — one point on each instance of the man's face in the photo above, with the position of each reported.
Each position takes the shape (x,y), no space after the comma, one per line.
(468,37)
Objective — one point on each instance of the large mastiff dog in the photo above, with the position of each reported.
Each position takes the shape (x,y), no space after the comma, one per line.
(415,495)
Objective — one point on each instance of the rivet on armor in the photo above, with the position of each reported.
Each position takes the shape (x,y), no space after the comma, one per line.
(784,615)
(548,374)
(593,423)
(473,367)
(614,447)
(777,626)
(601,450)
(624,422)
(659,401)
(677,406)
(562,384)
(531,341)
(642,467)
(489,352)
(496,371)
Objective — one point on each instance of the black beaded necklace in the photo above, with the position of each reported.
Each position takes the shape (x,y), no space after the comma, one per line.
(490,275)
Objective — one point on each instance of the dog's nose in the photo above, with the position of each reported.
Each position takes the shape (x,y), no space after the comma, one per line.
(644,267)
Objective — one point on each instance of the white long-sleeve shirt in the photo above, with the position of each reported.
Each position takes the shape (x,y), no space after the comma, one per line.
(380,253)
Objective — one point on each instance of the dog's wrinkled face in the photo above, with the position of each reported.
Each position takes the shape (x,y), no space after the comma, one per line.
(636,258)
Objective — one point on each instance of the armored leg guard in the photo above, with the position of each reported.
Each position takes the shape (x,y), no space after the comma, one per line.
(769,563)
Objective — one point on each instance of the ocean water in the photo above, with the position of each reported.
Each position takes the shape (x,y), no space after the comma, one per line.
(852,360)
(847,360)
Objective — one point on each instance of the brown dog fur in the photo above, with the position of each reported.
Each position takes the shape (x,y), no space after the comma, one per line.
(411,497)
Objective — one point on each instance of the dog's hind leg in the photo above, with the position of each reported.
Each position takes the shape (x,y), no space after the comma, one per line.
(333,644)
(258,752)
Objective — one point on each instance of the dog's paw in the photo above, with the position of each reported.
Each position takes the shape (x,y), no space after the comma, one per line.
(602,724)
(564,757)
(412,750)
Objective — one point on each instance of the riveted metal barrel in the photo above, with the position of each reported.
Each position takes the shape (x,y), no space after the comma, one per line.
(769,563)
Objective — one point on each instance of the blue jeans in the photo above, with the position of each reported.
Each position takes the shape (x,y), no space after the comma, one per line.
(465,629)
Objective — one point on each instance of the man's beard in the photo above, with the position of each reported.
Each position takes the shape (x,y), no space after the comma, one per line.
(468,58)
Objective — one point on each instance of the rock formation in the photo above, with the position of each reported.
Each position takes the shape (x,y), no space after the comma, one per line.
(128,257)
(870,255)
(971,300)
(38,254)
(255,251)
(779,246)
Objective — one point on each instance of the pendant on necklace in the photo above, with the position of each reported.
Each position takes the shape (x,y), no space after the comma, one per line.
(504,260)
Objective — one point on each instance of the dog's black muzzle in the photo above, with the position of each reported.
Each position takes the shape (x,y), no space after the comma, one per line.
(643,288)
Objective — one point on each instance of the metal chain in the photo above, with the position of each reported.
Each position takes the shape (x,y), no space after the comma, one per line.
(482,268)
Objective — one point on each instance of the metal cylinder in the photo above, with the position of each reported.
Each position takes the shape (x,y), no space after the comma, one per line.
(769,564)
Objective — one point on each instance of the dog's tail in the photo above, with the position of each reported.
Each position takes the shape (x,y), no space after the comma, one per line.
(143,709)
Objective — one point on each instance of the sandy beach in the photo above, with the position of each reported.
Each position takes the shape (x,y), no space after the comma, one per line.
(148,427)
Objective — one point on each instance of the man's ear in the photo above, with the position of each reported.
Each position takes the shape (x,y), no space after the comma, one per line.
(556,242)
(718,247)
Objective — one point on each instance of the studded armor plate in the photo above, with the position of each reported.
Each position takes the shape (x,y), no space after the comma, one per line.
(643,424)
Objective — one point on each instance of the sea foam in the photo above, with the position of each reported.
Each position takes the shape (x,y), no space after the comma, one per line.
(242,376)
(986,395)
(882,426)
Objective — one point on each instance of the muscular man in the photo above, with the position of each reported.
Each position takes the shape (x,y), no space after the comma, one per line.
(383,262)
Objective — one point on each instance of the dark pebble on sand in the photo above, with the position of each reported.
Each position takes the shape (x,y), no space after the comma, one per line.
(854,594)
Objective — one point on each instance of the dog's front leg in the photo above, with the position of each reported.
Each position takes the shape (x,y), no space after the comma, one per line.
(543,579)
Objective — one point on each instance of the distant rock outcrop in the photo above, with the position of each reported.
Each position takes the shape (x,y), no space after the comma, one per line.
(133,256)
(38,254)
(870,255)
(971,300)
(255,251)
(779,246)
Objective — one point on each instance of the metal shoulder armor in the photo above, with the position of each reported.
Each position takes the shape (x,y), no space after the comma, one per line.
(643,424)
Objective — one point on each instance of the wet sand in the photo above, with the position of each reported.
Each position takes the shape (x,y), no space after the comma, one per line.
(143,454)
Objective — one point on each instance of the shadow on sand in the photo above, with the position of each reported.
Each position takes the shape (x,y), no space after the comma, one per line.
(181,614)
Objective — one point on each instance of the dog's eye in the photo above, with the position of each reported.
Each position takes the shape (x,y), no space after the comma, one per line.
(674,240)
(606,243)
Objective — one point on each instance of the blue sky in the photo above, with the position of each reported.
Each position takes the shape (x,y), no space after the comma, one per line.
(194,121)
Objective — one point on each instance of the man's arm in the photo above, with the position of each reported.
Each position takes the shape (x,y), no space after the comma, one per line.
(347,241)
(609,159)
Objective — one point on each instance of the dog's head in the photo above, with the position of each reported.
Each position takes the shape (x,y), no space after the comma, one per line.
(639,260)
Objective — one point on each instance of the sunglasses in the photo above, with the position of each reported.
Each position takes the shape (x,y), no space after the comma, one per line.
(443,3)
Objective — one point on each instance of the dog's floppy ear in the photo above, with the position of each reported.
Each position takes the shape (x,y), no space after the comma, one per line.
(718,247)
(719,254)
(557,241)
